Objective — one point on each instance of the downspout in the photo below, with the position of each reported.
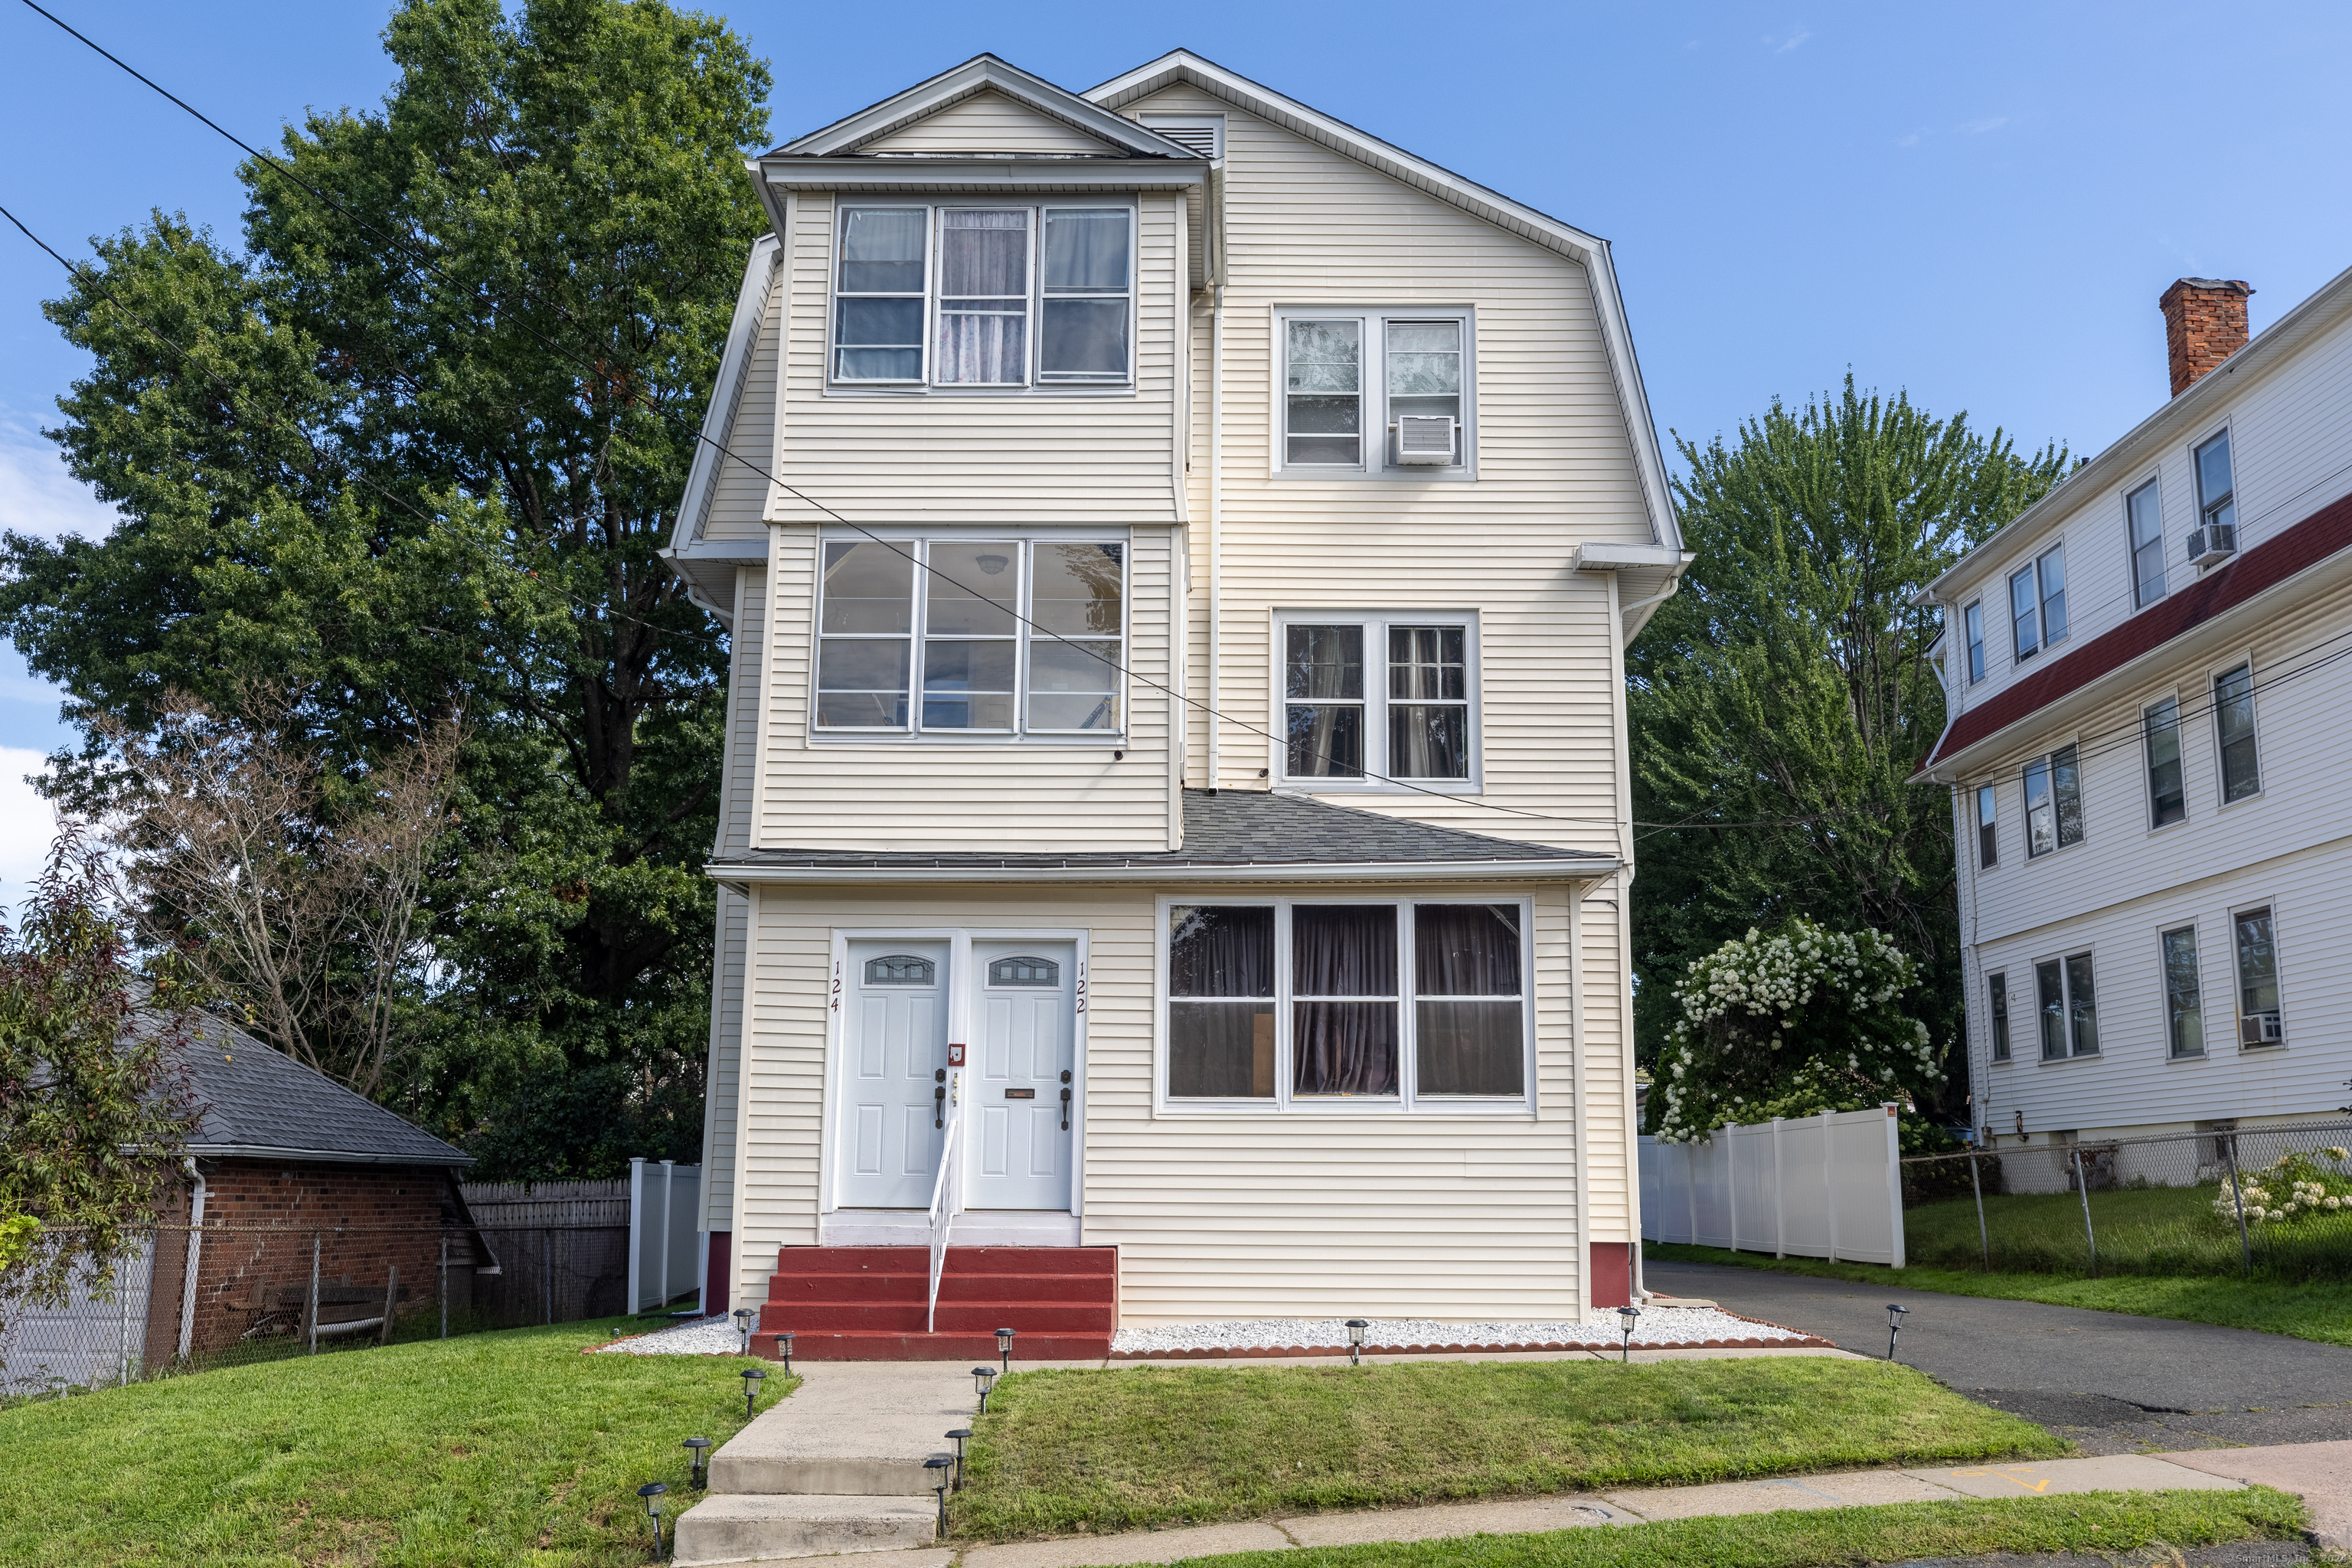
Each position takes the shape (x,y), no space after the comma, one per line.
(195,1257)
(1215,241)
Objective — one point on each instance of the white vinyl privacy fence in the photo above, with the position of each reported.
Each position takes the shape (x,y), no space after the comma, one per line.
(666,1251)
(1814,1186)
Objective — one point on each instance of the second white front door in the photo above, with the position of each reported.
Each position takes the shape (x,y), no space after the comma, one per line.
(1020,1082)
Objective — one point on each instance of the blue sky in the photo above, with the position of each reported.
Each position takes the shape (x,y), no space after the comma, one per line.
(1979,204)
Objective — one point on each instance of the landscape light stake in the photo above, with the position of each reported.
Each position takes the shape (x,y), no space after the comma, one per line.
(2083,1188)
(1356,1326)
(983,1378)
(1005,1347)
(743,1316)
(959,1437)
(784,1349)
(1627,1316)
(937,1466)
(2237,1198)
(700,1479)
(1895,1313)
(652,1492)
(1983,1239)
(753,1377)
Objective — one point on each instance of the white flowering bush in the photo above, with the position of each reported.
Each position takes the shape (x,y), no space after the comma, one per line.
(2294,1186)
(1791,1022)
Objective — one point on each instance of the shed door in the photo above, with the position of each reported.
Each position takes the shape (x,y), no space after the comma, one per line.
(1022,1107)
(894,1040)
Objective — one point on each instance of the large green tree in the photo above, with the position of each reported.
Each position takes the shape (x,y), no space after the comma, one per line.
(411,451)
(1780,699)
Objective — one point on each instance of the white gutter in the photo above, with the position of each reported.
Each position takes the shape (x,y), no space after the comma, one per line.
(1580,869)
(324,1156)
(195,1257)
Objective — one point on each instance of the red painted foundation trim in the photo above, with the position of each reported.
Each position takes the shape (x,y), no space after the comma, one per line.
(723,1269)
(1612,1273)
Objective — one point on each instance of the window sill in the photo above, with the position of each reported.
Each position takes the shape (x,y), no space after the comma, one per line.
(1367,1108)
(2267,1046)
(1054,393)
(1366,786)
(885,738)
(1373,476)
(2066,1061)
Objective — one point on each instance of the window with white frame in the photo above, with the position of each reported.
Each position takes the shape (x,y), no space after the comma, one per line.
(2217,486)
(2167,801)
(2258,979)
(995,296)
(2037,603)
(1988,827)
(1296,1003)
(971,636)
(2144,514)
(1972,618)
(1367,697)
(1368,393)
(2067,1002)
(2233,732)
(1997,992)
(2054,801)
(2184,1006)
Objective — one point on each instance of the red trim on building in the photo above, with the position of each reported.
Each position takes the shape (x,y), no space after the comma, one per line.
(2264,567)
(1612,1273)
(720,1263)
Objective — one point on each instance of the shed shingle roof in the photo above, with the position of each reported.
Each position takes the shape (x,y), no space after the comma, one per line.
(1224,828)
(257,1101)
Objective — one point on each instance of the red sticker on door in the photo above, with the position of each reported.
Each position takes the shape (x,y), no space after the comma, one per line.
(955,1056)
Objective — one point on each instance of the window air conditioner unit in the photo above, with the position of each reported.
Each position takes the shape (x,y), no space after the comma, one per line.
(2261,1029)
(1426,440)
(2214,542)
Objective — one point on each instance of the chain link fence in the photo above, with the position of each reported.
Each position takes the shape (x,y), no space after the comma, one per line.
(183,1299)
(2269,1201)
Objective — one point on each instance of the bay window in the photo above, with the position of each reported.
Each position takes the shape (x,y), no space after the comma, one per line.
(985,298)
(1378,1004)
(1006,637)
(1367,698)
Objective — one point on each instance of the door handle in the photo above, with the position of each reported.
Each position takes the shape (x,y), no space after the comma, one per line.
(1065,1110)
(939,1105)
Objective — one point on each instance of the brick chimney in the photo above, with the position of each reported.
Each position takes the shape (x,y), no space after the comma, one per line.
(2204,323)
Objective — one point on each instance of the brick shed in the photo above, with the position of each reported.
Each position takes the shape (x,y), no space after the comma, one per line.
(287,1160)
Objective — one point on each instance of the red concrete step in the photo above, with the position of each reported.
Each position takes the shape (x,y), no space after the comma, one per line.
(1101,1260)
(1102,1289)
(1027,1318)
(975,1349)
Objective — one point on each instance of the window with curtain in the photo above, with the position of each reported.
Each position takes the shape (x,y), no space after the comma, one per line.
(2184,1010)
(1372,699)
(1221,1002)
(2145,511)
(2054,801)
(1343,987)
(1997,991)
(983,332)
(2233,721)
(2258,981)
(1086,282)
(1469,1004)
(1016,637)
(1323,394)
(2167,802)
(878,296)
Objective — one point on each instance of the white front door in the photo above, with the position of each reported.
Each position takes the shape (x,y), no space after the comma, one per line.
(894,1059)
(1020,1082)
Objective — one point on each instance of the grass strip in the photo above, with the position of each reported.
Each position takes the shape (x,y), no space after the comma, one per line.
(2315,1310)
(1130,1447)
(2103,1522)
(490,1450)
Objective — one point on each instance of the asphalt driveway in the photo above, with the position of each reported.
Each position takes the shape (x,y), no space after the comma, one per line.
(2113,1383)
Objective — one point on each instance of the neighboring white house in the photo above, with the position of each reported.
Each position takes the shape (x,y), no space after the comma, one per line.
(1088,416)
(2147,690)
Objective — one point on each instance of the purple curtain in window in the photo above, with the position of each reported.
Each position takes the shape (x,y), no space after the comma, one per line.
(1343,1046)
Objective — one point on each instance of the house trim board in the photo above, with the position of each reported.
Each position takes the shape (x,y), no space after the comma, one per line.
(1304,872)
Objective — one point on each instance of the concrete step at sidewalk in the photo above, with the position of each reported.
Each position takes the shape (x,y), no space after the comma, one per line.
(773,1475)
(723,1529)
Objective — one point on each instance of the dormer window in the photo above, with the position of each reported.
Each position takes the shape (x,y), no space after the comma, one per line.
(985,298)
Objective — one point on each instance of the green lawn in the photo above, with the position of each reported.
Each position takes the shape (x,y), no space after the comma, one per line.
(2100,1523)
(2318,1311)
(1061,1451)
(484,1451)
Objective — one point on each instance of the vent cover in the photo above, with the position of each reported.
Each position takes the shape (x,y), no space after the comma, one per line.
(1426,440)
(1201,134)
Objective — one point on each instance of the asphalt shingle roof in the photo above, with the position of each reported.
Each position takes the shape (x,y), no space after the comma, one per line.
(1224,827)
(259,1100)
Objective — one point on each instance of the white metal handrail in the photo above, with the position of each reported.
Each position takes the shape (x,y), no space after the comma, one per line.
(947,1198)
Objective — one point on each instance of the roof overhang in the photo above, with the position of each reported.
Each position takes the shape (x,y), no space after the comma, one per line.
(450,1160)
(982,73)
(1582,869)
(707,566)
(1516,217)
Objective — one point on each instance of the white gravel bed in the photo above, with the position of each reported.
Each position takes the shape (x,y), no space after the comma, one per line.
(699,1336)
(1656,1326)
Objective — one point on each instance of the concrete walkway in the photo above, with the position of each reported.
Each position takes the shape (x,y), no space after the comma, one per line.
(2111,1381)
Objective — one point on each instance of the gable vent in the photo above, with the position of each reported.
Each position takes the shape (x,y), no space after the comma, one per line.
(1203,135)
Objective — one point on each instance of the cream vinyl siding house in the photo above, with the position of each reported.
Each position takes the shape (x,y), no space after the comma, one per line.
(1222,854)
(2194,880)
